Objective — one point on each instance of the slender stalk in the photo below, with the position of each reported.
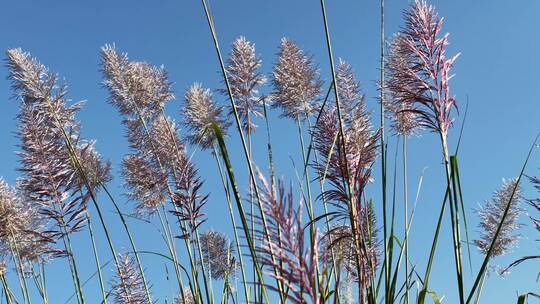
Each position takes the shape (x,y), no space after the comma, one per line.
(96,258)
(6,289)
(244,147)
(309,199)
(383,152)
(423,292)
(39,284)
(197,293)
(43,282)
(75,269)
(406,217)
(479,292)
(485,263)
(76,162)
(19,269)
(130,237)
(233,223)
(169,240)
(209,291)
(245,227)
(165,227)
(353,213)
(251,201)
(453,216)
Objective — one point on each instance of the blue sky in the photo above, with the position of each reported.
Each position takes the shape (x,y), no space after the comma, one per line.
(497,70)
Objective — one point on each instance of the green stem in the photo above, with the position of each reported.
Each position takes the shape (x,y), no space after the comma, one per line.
(487,258)
(233,223)
(209,291)
(19,269)
(453,218)
(96,258)
(245,150)
(166,228)
(7,290)
(309,199)
(406,216)
(383,152)
(75,269)
(353,212)
(245,227)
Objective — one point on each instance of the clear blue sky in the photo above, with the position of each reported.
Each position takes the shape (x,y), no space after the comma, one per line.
(498,70)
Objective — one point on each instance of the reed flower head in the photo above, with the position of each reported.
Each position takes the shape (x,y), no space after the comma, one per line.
(420,77)
(97,170)
(186,298)
(296,81)
(51,178)
(127,286)
(245,79)
(349,91)
(339,243)
(285,249)
(219,255)
(147,186)
(535,203)
(401,94)
(491,213)
(183,174)
(346,291)
(157,157)
(200,112)
(22,226)
(360,140)
(134,86)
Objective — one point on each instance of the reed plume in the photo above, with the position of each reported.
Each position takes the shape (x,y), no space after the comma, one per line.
(490,214)
(296,81)
(419,72)
(349,167)
(360,140)
(187,197)
(138,90)
(50,176)
(147,186)
(245,80)
(399,97)
(199,113)
(285,249)
(339,242)
(134,87)
(127,286)
(185,298)
(535,203)
(157,166)
(23,228)
(219,255)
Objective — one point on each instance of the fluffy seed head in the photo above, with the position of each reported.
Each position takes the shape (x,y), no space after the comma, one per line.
(419,71)
(218,255)
(296,81)
(285,249)
(401,94)
(22,226)
(245,80)
(186,298)
(200,112)
(127,286)
(134,86)
(51,178)
(490,215)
